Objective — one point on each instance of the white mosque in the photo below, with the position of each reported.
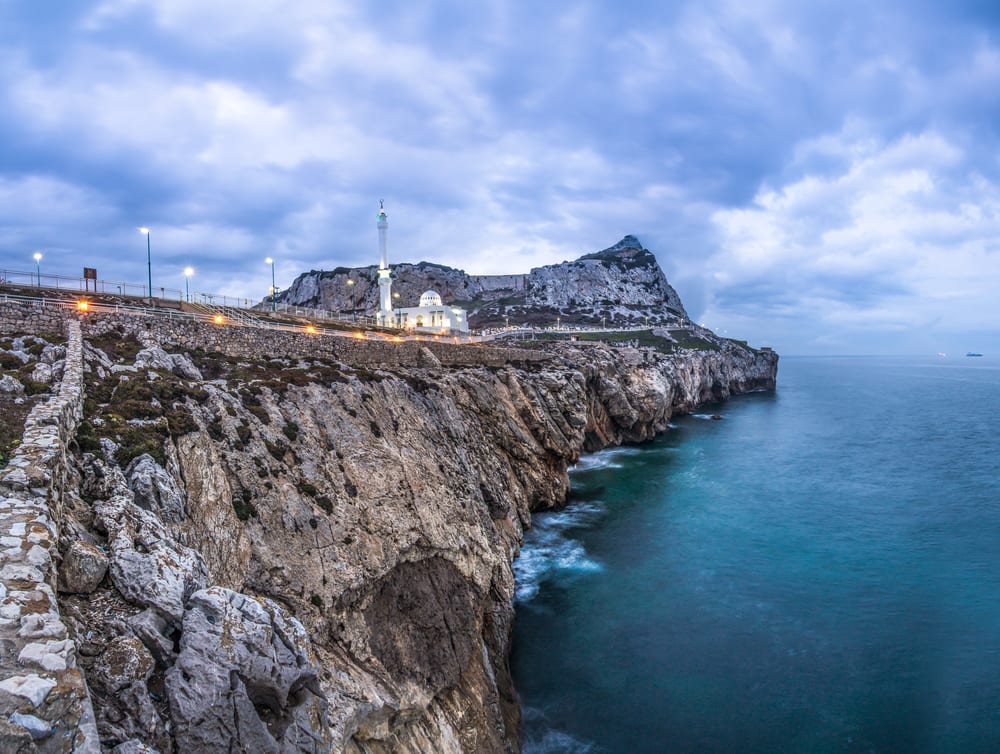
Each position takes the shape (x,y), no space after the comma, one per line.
(432,315)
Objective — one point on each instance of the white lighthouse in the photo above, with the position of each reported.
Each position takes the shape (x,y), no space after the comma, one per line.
(384,316)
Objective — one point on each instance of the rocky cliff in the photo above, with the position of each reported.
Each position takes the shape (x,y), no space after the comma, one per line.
(313,553)
(621,285)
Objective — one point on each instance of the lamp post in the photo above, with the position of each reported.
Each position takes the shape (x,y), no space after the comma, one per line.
(188,272)
(149,262)
(604,320)
(38,269)
(398,314)
(506,323)
(270,261)
(354,309)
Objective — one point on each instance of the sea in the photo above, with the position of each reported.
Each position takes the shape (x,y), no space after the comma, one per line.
(818,571)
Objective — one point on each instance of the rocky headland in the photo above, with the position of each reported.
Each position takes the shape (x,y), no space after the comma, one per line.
(261,541)
(620,286)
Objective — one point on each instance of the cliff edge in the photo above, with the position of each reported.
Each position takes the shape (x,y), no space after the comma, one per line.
(312,551)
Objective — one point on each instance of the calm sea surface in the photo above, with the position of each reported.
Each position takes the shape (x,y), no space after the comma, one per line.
(817,572)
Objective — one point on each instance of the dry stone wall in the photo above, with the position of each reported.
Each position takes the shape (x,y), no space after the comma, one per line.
(44,703)
(31,317)
(240,341)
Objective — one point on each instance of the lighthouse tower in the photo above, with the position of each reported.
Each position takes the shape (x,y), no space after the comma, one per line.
(384,316)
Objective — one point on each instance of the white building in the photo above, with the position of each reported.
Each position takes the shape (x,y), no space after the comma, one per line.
(432,316)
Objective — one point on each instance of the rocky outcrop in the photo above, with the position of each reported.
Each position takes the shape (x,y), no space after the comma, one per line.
(622,284)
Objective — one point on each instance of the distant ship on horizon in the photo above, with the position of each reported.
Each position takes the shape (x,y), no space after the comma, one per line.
(970,353)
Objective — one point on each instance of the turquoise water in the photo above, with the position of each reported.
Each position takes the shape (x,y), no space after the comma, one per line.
(817,572)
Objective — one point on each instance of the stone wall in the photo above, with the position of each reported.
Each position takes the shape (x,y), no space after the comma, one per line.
(44,703)
(251,342)
(28,317)
(500,282)
(31,317)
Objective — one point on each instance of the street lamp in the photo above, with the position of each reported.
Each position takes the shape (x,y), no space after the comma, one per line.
(354,309)
(398,313)
(604,321)
(270,261)
(188,272)
(149,262)
(38,269)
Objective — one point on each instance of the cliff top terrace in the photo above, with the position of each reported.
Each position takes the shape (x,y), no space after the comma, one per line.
(218,310)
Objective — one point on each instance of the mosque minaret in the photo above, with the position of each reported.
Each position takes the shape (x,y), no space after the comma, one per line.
(384,316)
(432,316)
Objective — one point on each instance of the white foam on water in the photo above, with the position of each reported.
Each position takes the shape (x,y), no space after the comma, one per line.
(605,459)
(550,553)
(702,416)
(552,741)
(556,742)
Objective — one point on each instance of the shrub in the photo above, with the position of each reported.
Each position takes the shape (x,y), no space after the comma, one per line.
(325,503)
(180,422)
(307,489)
(244,507)
(9,361)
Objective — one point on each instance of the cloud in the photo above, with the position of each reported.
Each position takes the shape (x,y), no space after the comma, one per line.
(906,236)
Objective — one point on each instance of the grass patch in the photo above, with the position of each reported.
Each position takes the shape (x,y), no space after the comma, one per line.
(12,418)
(117,345)
(136,439)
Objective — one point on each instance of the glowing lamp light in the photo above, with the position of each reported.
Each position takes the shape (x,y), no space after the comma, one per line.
(310,329)
(219,319)
(397,339)
(82,306)
(359,335)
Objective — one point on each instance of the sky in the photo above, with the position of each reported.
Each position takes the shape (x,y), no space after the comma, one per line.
(820,177)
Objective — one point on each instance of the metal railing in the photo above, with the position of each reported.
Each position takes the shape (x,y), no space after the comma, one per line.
(83,285)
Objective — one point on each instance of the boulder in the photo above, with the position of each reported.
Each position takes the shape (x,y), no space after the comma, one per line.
(155,489)
(42,373)
(244,680)
(9,384)
(147,566)
(184,367)
(124,662)
(133,746)
(52,354)
(154,357)
(154,632)
(83,568)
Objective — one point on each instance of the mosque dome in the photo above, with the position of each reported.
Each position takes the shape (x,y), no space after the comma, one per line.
(430,298)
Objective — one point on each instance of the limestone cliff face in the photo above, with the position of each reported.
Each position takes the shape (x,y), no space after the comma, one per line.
(307,555)
(622,284)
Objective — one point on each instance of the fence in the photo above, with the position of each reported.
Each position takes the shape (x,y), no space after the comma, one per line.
(38,279)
